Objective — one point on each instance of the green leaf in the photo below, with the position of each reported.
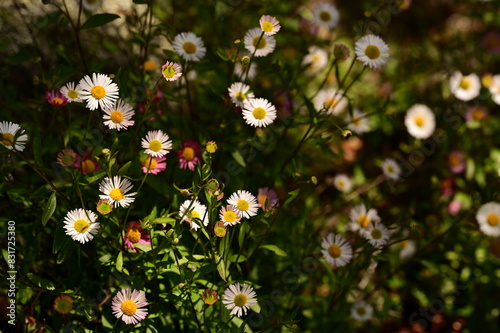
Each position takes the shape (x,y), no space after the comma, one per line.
(242,233)
(292,195)
(241,258)
(143,247)
(98,20)
(123,170)
(221,268)
(40,282)
(164,220)
(119,262)
(49,208)
(274,249)
(222,54)
(238,158)
(92,178)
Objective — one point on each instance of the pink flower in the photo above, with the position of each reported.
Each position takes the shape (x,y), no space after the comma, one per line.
(447,187)
(135,234)
(88,163)
(454,207)
(155,165)
(55,97)
(190,154)
(269,195)
(456,161)
(67,157)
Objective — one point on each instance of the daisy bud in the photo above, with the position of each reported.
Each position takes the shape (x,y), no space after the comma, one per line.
(341,52)
(346,134)
(245,61)
(106,151)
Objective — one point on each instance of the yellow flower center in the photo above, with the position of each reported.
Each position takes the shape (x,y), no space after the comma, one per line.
(73,94)
(189,47)
(363,221)
(150,163)
(81,226)
(169,72)
(267,26)
(243,205)
(454,160)
(419,121)
(259,113)
(361,311)
(67,159)
(195,215)
(334,251)
(133,235)
(117,117)
(262,200)
(129,308)
(465,84)
(188,153)
(376,233)
(57,101)
(477,114)
(98,92)
(372,52)
(149,66)
(356,121)
(220,230)
(7,139)
(492,219)
(340,184)
(240,300)
(240,96)
(116,194)
(155,145)
(390,169)
(229,216)
(259,45)
(88,166)
(330,103)
(325,16)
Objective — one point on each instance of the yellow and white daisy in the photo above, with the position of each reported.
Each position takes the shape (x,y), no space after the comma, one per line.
(391,169)
(71,91)
(336,250)
(245,203)
(230,215)
(259,112)
(240,71)
(98,91)
(269,25)
(342,183)
(190,211)
(495,88)
(256,41)
(331,100)
(171,71)
(12,136)
(361,311)
(372,51)
(361,218)
(465,87)
(488,218)
(115,190)
(315,60)
(130,306)
(81,225)
(156,143)
(240,93)
(376,233)
(118,116)
(326,14)
(420,121)
(358,122)
(408,248)
(239,299)
(189,46)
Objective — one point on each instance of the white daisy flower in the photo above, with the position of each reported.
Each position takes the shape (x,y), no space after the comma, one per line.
(372,51)
(332,100)
(81,225)
(377,234)
(326,14)
(118,115)
(420,121)
(130,306)
(315,60)
(156,143)
(265,46)
(408,248)
(495,88)
(259,112)
(230,215)
(98,91)
(244,202)
(192,210)
(239,299)
(269,25)
(488,218)
(465,87)
(391,169)
(115,190)
(189,46)
(358,122)
(240,93)
(71,91)
(342,183)
(337,250)
(171,71)
(240,71)
(361,218)
(361,311)
(12,136)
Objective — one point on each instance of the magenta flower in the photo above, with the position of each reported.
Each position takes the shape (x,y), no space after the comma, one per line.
(454,207)
(130,305)
(456,161)
(269,195)
(88,163)
(67,157)
(135,235)
(55,97)
(155,165)
(190,154)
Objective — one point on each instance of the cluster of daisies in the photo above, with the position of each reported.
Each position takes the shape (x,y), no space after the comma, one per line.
(468,87)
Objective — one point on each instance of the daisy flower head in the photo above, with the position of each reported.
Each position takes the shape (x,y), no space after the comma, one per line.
(267,198)
(269,25)
(372,51)
(189,46)
(361,218)
(71,92)
(98,91)
(12,136)
(358,122)
(465,87)
(495,89)
(256,41)
(104,206)
(149,66)
(244,202)
(116,191)
(342,183)
(209,296)
(476,113)
(361,311)
(230,215)
(118,115)
(135,235)
(66,157)
(154,165)
(239,299)
(81,225)
(171,71)
(408,249)
(240,70)
(391,169)
(488,218)
(341,52)
(63,304)
(56,98)
(326,14)
(336,250)
(130,306)
(456,161)
(190,211)
(189,154)
(220,229)
(420,121)
(377,234)
(156,143)
(211,147)
(259,112)
(315,60)
(240,93)
(331,100)
(88,163)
